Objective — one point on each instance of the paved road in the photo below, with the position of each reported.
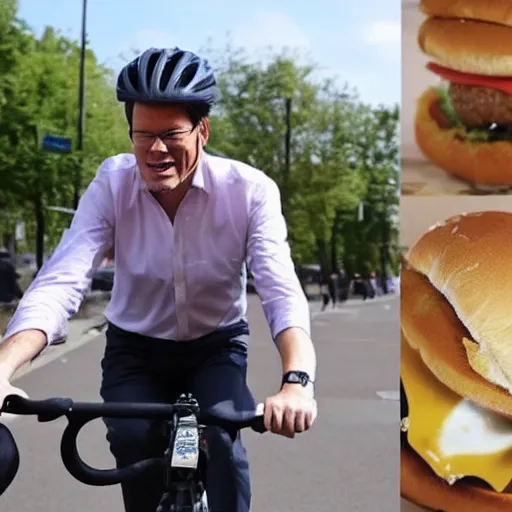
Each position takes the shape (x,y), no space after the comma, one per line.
(348,462)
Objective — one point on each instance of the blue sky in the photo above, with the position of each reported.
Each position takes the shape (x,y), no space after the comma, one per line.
(358,42)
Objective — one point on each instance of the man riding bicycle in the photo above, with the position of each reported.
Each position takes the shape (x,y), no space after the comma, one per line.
(183,225)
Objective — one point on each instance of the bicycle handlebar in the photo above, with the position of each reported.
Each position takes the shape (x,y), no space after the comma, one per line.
(79,414)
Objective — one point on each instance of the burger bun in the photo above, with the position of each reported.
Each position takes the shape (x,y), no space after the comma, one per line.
(483,164)
(419,484)
(493,11)
(468,46)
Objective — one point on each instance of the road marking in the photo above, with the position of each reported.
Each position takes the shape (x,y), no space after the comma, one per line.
(389,395)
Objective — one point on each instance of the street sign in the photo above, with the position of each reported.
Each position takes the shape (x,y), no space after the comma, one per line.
(20,231)
(57,144)
(360,212)
(61,209)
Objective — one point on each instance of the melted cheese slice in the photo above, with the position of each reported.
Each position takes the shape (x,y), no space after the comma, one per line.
(453,436)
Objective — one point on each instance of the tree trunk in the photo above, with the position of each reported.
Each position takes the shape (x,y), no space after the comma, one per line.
(334,242)
(384,257)
(323,257)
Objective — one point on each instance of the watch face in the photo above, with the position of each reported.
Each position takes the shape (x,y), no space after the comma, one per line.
(297,378)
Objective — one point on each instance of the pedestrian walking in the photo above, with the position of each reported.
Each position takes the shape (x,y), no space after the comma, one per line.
(9,287)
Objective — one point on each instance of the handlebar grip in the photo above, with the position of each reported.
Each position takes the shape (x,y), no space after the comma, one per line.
(46,410)
(258,425)
(238,422)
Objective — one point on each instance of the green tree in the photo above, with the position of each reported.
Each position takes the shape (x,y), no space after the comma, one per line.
(369,243)
(42,97)
(343,153)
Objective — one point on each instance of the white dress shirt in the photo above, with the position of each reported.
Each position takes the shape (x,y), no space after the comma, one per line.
(172,281)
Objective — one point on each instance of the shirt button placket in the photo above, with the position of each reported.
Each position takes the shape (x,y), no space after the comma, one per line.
(180,292)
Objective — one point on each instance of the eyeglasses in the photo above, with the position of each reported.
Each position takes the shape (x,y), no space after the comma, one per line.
(170,138)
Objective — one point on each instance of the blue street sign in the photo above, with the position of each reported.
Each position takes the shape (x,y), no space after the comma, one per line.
(57,144)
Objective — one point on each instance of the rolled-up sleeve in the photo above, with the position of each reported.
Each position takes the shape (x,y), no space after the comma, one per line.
(58,290)
(269,259)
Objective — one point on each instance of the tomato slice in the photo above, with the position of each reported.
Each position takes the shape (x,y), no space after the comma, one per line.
(437,114)
(500,83)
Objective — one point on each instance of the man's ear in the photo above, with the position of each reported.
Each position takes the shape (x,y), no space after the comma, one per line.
(204,131)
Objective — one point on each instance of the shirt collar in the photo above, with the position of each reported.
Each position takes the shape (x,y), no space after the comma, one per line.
(199,181)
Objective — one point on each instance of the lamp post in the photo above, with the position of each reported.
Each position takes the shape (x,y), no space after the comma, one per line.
(287,151)
(384,241)
(81,107)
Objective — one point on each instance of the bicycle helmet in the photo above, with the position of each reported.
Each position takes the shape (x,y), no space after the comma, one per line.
(167,76)
(9,458)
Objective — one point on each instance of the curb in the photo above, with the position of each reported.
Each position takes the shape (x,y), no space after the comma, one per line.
(93,305)
(80,331)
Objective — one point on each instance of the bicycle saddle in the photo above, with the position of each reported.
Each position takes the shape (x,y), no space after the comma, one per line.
(9,458)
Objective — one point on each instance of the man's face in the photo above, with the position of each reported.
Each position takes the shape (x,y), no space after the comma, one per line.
(166,144)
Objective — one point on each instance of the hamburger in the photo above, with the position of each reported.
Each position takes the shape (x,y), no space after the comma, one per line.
(456,366)
(465,125)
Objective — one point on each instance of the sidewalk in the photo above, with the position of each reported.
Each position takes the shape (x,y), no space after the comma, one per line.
(87,323)
(80,330)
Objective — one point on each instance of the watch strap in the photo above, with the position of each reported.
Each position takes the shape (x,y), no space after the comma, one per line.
(296,377)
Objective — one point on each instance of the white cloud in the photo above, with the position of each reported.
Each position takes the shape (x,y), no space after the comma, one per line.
(274,29)
(385,37)
(384,32)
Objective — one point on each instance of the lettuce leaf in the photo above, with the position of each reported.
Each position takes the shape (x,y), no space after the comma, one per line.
(473,135)
(447,107)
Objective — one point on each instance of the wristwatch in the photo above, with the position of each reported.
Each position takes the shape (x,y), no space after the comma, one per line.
(298,377)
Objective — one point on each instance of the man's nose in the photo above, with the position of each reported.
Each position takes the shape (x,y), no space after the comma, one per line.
(158,145)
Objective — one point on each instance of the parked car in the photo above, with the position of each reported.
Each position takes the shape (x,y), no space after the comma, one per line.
(103,279)
(310,277)
(250,283)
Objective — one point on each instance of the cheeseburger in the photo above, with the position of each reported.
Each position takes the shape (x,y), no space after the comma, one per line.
(465,125)
(456,366)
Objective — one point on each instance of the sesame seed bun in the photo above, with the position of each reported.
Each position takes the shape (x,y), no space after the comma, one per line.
(469,46)
(493,11)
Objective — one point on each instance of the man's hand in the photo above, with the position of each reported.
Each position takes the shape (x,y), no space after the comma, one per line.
(6,389)
(291,411)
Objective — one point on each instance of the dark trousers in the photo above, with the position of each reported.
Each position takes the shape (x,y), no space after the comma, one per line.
(214,369)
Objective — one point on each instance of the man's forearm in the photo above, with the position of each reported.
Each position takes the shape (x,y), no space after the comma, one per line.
(297,351)
(19,349)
